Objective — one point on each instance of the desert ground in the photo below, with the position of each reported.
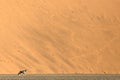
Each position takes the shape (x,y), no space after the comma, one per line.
(60,77)
(60,36)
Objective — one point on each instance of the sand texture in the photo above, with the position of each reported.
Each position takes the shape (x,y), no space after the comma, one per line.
(60,36)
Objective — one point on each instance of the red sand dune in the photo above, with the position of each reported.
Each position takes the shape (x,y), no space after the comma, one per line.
(60,36)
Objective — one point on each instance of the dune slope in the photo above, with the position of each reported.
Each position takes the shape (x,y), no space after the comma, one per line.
(65,36)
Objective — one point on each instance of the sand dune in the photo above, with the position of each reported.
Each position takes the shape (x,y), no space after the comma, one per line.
(65,36)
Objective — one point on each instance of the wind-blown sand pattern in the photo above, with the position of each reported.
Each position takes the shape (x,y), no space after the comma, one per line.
(60,36)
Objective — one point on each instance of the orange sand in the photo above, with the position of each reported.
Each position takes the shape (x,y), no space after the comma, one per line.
(60,36)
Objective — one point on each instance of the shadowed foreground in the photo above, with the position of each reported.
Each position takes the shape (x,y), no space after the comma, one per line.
(61,77)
